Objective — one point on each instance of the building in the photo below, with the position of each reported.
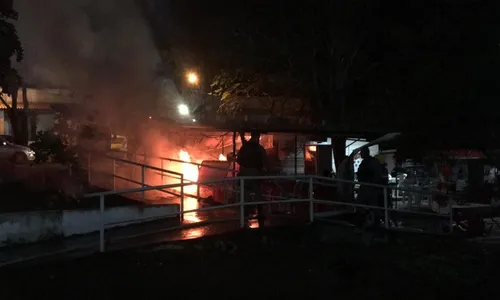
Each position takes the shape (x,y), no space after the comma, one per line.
(41,114)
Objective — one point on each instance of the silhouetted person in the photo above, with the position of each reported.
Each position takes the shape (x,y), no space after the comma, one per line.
(369,171)
(252,159)
(345,172)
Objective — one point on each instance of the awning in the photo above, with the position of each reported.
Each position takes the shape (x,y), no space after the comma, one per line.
(31,106)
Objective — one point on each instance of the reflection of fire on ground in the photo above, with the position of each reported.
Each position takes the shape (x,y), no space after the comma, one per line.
(191,173)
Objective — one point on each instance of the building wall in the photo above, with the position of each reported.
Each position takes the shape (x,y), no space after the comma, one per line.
(42,98)
(7,128)
(285,144)
(30,227)
(350,146)
(44,122)
(2,122)
(40,102)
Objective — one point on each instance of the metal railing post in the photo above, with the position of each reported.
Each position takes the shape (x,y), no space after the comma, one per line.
(182,198)
(450,209)
(311,198)
(242,202)
(143,175)
(224,194)
(101,229)
(114,175)
(88,170)
(386,209)
(162,168)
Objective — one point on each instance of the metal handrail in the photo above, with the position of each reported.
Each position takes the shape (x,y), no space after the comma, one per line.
(176,185)
(145,165)
(337,180)
(299,178)
(131,162)
(241,204)
(186,162)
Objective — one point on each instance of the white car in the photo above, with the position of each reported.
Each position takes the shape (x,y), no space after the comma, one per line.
(15,153)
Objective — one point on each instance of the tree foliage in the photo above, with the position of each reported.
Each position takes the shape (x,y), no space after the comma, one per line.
(426,67)
(54,148)
(11,46)
(10,81)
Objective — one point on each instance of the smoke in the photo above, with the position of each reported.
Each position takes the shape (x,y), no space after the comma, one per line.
(102,50)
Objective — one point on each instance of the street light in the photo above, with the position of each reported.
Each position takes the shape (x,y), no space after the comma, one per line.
(192,78)
(183,109)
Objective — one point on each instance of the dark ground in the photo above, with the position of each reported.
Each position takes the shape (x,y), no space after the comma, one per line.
(274,263)
(47,186)
(17,197)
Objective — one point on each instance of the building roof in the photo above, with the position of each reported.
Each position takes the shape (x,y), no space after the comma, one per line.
(37,106)
(41,98)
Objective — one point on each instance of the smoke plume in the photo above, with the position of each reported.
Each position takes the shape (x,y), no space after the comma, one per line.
(102,50)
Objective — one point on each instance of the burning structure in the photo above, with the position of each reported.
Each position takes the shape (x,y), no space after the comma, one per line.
(103,52)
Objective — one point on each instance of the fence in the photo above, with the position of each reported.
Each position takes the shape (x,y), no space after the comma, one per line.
(109,166)
(103,165)
(240,205)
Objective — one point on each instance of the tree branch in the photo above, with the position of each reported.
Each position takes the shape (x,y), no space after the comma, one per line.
(4,102)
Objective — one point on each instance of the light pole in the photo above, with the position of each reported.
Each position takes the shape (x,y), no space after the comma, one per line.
(192,94)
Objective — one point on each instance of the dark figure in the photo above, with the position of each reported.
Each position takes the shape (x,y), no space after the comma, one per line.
(369,171)
(344,189)
(252,159)
(384,181)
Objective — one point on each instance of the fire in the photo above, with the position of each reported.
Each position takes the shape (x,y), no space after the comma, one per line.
(222,157)
(190,172)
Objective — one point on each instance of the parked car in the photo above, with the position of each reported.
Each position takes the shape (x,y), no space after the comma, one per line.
(15,153)
(8,138)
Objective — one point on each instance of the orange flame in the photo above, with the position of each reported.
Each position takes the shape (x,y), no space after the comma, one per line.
(190,173)
(222,157)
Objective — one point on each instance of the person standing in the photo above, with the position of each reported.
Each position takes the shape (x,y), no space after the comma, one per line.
(369,171)
(252,158)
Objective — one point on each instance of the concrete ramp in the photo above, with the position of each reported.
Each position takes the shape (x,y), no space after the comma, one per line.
(32,227)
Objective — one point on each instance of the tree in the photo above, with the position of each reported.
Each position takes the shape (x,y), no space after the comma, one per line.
(10,81)
(277,49)
(361,65)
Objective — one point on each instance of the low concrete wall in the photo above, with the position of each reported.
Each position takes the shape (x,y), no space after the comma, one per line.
(29,227)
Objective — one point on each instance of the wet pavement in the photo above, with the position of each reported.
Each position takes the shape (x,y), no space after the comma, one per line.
(208,223)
